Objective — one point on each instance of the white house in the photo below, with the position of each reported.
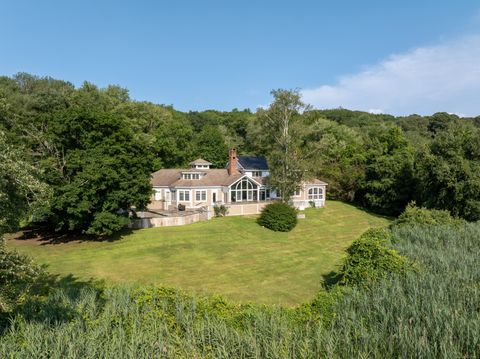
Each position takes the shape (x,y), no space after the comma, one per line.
(242,187)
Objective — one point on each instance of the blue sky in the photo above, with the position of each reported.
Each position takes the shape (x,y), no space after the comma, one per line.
(382,56)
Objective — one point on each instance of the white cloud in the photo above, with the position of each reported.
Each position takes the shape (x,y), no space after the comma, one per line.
(444,77)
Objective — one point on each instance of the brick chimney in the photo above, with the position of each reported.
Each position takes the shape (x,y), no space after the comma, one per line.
(232,161)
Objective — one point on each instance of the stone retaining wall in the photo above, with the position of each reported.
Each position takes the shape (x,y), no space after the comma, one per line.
(168,221)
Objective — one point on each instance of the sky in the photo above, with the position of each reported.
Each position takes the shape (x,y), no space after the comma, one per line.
(397,57)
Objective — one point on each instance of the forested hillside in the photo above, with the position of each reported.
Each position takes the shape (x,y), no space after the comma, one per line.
(95,149)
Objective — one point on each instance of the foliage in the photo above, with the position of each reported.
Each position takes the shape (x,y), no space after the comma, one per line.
(89,155)
(411,315)
(414,215)
(279,217)
(21,191)
(86,138)
(387,186)
(20,279)
(220,210)
(210,145)
(371,258)
(448,171)
(340,157)
(280,130)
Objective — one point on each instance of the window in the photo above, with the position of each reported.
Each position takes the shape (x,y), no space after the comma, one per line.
(201,195)
(158,195)
(244,191)
(193,176)
(184,196)
(297,193)
(315,193)
(257,174)
(264,194)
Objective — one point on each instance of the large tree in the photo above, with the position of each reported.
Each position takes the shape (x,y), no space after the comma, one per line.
(449,171)
(339,157)
(210,145)
(91,155)
(389,182)
(21,191)
(282,131)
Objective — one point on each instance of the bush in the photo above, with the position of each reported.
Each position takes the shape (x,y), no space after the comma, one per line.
(370,258)
(278,217)
(20,279)
(220,210)
(423,216)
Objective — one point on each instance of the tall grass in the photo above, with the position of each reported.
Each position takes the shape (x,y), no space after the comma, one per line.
(430,313)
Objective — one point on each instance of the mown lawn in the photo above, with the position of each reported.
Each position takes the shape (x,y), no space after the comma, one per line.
(231,256)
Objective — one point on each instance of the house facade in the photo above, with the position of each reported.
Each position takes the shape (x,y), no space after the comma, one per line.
(241,186)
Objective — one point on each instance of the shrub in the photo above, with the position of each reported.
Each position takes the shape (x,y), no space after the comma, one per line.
(20,279)
(220,210)
(370,258)
(278,217)
(424,216)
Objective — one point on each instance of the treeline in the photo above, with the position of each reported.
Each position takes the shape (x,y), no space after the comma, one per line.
(96,148)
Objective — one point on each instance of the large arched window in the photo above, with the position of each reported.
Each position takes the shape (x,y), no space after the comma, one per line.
(315,193)
(244,190)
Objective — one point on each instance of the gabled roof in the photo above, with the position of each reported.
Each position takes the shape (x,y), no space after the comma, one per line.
(211,177)
(253,163)
(200,161)
(315,181)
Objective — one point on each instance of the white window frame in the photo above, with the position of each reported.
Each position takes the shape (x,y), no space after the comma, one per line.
(201,195)
(191,176)
(183,195)
(315,193)
(257,173)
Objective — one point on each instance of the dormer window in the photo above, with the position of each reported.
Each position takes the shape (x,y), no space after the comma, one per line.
(191,176)
(200,164)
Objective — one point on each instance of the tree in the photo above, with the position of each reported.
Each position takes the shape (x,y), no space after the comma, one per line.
(21,192)
(340,157)
(106,171)
(210,145)
(282,131)
(448,171)
(389,182)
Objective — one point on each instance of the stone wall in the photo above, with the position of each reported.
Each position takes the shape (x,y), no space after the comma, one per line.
(168,221)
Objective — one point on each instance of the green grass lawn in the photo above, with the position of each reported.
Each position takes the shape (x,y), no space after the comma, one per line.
(231,256)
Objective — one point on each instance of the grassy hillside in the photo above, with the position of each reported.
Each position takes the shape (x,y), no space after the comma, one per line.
(232,256)
(431,312)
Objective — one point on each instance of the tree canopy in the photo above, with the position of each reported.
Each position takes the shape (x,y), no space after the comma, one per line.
(95,149)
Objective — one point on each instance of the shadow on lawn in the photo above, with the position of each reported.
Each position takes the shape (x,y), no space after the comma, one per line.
(55,299)
(46,236)
(330,279)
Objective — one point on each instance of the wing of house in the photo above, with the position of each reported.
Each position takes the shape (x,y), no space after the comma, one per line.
(242,186)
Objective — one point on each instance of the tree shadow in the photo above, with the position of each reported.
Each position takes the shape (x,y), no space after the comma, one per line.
(59,304)
(46,236)
(330,279)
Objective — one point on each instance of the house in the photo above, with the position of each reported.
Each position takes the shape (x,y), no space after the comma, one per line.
(241,186)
